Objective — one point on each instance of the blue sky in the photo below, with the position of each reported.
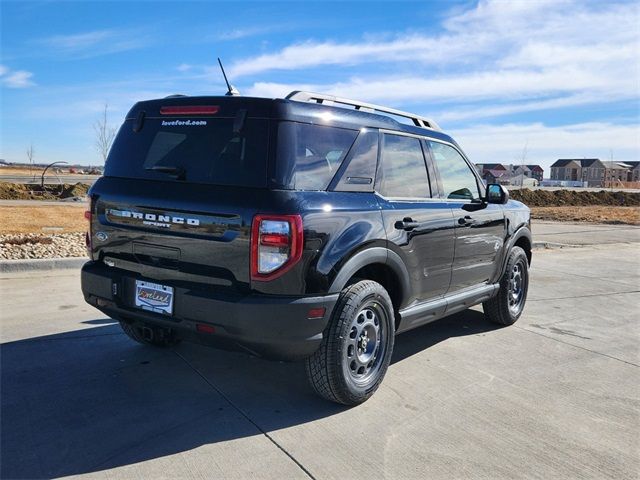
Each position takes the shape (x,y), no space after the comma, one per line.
(541,78)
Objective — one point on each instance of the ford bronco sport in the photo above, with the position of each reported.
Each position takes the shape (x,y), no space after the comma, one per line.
(311,227)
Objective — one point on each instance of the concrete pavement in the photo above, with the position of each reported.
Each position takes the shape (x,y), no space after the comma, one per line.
(555,396)
(574,233)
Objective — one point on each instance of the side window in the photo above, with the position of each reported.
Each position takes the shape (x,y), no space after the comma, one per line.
(403,172)
(458,181)
(309,155)
(361,168)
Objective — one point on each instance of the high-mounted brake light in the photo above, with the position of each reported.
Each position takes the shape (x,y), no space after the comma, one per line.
(190,110)
(276,245)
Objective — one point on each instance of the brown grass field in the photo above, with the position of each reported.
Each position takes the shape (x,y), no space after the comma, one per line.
(589,214)
(25,171)
(65,218)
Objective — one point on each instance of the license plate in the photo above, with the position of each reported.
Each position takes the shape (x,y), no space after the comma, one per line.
(154,297)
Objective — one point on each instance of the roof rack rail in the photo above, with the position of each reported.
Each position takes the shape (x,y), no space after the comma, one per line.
(418,121)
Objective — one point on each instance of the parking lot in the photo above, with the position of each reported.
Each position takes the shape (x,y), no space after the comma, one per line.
(555,396)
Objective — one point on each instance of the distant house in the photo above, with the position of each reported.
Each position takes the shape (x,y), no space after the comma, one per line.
(494,176)
(537,172)
(487,167)
(509,174)
(622,171)
(589,170)
(635,171)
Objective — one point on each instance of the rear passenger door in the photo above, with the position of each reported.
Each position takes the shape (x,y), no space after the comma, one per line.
(479,227)
(419,228)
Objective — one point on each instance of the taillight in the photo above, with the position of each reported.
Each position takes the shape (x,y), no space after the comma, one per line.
(276,245)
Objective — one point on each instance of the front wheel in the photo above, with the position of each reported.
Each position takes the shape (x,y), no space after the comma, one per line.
(356,346)
(506,307)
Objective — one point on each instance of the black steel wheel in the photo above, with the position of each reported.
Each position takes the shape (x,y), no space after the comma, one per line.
(356,346)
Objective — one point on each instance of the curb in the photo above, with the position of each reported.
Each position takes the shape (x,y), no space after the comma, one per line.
(549,245)
(39,264)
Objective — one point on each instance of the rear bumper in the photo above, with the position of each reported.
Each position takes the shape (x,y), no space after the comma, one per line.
(268,325)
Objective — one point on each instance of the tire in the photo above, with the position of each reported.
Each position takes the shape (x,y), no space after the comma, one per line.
(507,306)
(148,335)
(356,347)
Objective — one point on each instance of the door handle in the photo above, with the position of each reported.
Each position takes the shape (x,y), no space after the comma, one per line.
(466,221)
(407,224)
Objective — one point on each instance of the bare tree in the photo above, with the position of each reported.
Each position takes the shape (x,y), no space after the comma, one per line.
(30,153)
(104,134)
(523,158)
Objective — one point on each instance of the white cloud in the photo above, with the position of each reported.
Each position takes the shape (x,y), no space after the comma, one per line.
(545,144)
(15,78)
(94,43)
(503,84)
(238,33)
(487,32)
(535,55)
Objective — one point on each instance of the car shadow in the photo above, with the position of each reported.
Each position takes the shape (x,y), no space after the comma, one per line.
(91,400)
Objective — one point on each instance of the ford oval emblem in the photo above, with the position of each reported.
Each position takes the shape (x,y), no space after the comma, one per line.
(102,236)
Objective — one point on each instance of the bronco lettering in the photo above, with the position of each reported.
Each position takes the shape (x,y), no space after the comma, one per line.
(152,218)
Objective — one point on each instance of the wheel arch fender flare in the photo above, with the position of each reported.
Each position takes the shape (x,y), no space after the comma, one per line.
(521,232)
(370,256)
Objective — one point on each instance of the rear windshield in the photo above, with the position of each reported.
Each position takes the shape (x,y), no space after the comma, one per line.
(200,150)
(308,156)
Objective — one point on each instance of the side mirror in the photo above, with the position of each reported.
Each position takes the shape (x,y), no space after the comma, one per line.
(496,193)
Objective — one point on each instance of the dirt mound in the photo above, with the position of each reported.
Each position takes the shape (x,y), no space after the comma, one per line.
(22,191)
(562,198)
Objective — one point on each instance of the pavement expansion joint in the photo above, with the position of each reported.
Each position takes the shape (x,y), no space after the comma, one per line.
(246,416)
(576,346)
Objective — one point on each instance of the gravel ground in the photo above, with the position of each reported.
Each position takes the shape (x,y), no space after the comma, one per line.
(21,246)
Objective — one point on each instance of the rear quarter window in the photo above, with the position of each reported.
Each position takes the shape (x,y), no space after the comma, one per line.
(308,156)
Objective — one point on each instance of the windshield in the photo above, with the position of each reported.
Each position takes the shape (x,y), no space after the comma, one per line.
(202,150)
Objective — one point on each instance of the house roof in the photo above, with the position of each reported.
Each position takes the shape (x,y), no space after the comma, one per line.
(535,168)
(562,162)
(588,162)
(620,165)
(491,166)
(582,162)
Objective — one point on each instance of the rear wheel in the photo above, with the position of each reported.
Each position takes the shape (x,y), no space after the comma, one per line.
(149,335)
(356,346)
(506,307)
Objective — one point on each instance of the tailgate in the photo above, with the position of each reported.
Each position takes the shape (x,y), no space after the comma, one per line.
(175,232)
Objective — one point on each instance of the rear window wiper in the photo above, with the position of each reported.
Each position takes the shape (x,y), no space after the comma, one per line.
(179,172)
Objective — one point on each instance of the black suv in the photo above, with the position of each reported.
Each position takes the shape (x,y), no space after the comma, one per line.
(311,227)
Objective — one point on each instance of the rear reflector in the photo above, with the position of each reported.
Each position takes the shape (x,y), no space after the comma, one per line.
(190,110)
(87,214)
(202,328)
(316,313)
